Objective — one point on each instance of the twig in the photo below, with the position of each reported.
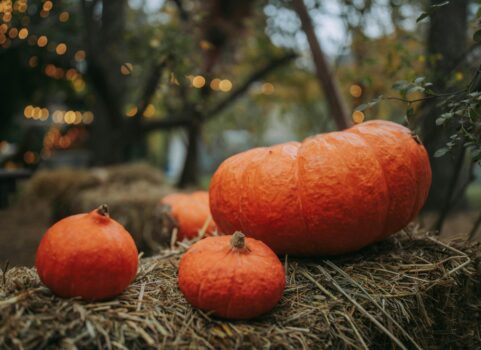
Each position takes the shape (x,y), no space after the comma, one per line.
(318,285)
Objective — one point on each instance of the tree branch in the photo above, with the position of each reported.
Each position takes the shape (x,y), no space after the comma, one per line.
(165,124)
(272,65)
(324,75)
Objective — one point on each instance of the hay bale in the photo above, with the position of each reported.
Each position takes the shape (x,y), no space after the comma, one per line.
(402,293)
(132,192)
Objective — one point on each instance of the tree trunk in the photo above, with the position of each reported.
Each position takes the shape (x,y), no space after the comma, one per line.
(190,171)
(104,59)
(325,77)
(446,40)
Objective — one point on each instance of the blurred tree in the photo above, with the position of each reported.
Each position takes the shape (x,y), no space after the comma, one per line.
(446,41)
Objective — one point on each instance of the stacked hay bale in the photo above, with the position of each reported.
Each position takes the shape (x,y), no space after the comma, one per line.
(409,292)
(132,192)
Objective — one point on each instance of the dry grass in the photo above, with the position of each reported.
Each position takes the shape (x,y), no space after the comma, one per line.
(407,292)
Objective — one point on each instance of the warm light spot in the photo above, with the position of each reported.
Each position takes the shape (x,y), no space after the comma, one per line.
(36,113)
(64,16)
(79,85)
(88,117)
(132,111)
(149,111)
(205,45)
(267,88)
(57,117)
(3,38)
(64,142)
(198,81)
(355,91)
(357,117)
(459,76)
(61,49)
(33,61)
(12,33)
(126,68)
(7,17)
(42,41)
(3,28)
(44,114)
(29,157)
(78,117)
(28,110)
(71,74)
(6,44)
(214,84)
(225,85)
(422,58)
(50,70)
(79,55)
(69,117)
(23,33)
(47,5)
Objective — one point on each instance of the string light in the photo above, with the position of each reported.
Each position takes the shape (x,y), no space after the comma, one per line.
(198,81)
(42,41)
(149,111)
(267,88)
(23,33)
(79,55)
(214,84)
(126,68)
(33,61)
(61,49)
(132,111)
(12,33)
(47,6)
(64,17)
(358,117)
(225,85)
(355,91)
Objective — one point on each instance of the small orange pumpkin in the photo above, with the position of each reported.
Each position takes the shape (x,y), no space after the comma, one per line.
(87,255)
(232,276)
(333,193)
(188,213)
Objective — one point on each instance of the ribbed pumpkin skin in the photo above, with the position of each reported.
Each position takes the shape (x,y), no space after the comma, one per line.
(87,255)
(232,284)
(333,193)
(191,212)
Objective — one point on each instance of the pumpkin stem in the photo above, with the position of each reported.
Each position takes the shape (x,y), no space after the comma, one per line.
(103,210)
(238,240)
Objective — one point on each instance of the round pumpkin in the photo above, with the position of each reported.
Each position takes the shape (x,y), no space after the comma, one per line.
(333,193)
(189,213)
(232,276)
(87,255)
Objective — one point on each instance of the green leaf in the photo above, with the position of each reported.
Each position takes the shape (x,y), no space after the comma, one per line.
(422,16)
(400,85)
(419,80)
(440,121)
(441,152)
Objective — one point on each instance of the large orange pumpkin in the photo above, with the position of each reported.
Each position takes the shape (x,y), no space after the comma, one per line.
(333,193)
(232,276)
(188,213)
(87,255)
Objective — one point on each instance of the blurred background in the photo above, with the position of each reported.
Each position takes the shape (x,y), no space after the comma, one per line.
(125,101)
